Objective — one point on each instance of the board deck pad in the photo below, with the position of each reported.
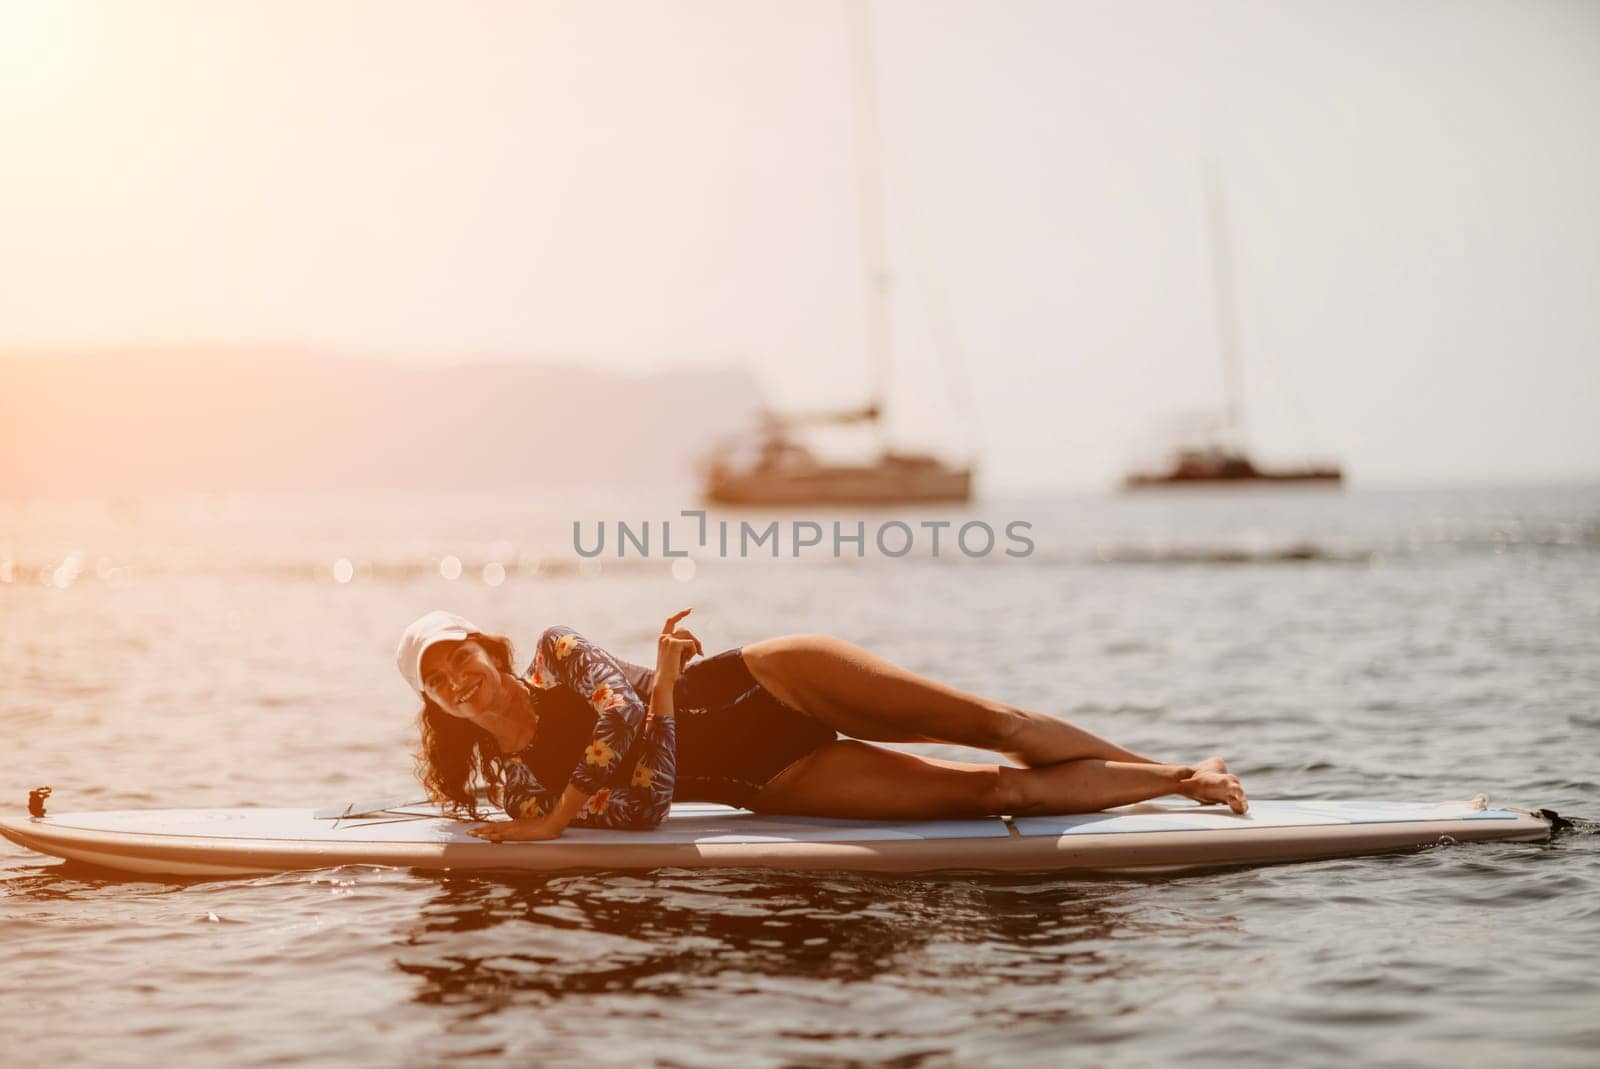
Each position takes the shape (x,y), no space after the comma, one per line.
(1150,837)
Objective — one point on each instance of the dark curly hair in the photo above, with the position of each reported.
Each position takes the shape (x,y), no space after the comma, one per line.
(457,754)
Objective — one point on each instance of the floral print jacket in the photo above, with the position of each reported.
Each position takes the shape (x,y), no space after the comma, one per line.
(567,659)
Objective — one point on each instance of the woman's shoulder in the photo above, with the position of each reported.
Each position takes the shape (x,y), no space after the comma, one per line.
(540,672)
(557,643)
(560,640)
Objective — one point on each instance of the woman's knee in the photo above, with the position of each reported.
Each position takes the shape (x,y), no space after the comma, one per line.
(967,793)
(1001,726)
(989,792)
(1007,791)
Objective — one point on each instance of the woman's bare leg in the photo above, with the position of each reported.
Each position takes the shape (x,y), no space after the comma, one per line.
(856,780)
(865,696)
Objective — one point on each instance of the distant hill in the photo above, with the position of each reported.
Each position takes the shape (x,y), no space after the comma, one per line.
(158,421)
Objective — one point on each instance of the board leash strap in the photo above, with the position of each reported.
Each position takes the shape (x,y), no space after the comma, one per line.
(383,807)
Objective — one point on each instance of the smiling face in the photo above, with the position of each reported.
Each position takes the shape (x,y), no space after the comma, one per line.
(459,677)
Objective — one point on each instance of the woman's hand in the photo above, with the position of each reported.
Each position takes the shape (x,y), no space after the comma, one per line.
(675,646)
(533,829)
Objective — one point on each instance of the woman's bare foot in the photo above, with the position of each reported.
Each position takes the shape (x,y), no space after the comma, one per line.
(1208,785)
(1212,764)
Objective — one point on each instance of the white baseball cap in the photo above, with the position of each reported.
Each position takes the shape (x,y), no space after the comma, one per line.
(424,631)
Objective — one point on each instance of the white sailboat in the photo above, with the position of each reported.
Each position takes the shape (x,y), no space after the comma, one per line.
(771,466)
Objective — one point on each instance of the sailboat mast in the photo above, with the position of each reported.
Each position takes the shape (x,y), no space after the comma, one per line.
(870,203)
(1227,323)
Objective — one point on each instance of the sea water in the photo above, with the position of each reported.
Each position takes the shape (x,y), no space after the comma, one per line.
(237,651)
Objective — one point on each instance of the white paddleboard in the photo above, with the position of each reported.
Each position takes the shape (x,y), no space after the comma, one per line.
(1150,837)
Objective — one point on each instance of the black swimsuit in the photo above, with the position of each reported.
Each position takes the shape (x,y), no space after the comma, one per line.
(734,736)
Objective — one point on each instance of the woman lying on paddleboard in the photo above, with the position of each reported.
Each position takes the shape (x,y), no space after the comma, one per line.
(584,738)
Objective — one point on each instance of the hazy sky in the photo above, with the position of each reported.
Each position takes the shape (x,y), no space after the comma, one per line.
(1411,190)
